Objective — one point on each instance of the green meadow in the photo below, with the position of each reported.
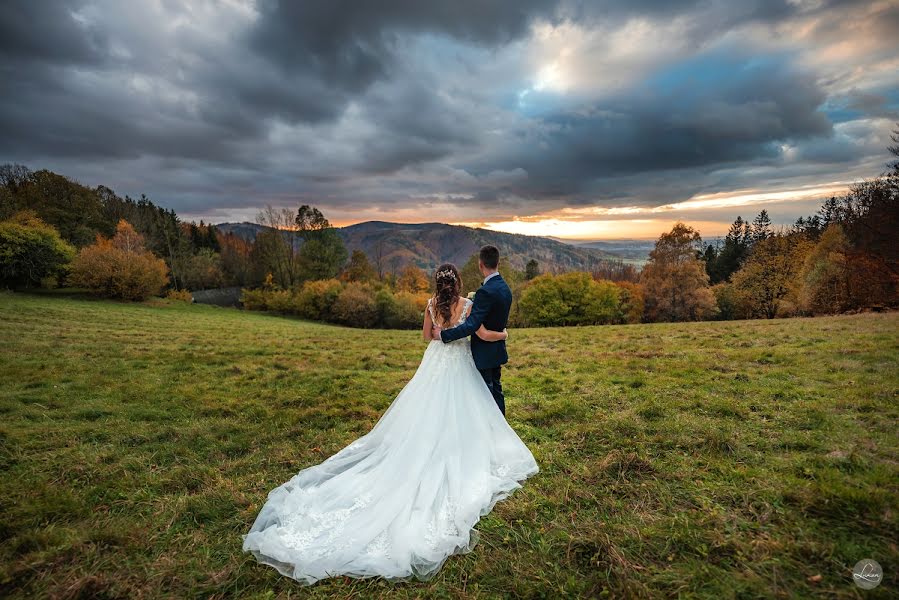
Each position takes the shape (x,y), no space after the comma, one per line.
(737,459)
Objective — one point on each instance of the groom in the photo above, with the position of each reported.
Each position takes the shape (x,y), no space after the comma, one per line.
(491,307)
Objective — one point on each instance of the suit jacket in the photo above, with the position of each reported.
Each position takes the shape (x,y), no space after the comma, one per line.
(492,303)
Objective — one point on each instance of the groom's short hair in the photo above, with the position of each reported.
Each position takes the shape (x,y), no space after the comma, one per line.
(489,255)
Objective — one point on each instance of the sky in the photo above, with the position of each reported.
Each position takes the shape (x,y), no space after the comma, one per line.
(605,119)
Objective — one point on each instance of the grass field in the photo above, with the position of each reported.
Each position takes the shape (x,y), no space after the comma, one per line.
(725,460)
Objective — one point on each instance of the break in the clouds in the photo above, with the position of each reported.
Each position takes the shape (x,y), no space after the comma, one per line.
(572,118)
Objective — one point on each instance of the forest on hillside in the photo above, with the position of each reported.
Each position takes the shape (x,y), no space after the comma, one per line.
(57,232)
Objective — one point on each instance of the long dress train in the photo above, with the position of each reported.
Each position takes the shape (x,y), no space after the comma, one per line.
(401,499)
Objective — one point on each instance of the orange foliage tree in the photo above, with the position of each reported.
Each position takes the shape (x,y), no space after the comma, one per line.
(120,267)
(413,280)
(675,283)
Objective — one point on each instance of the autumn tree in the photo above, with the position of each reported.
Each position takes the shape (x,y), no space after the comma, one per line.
(615,270)
(236,261)
(31,250)
(675,282)
(120,267)
(826,275)
(359,268)
(632,301)
(413,280)
(768,284)
(531,269)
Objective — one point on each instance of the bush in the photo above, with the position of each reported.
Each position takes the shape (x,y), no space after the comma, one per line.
(356,306)
(179,296)
(317,298)
(281,301)
(727,301)
(254,299)
(569,299)
(400,311)
(120,267)
(31,251)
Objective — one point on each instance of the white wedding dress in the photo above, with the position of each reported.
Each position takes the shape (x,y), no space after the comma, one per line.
(401,499)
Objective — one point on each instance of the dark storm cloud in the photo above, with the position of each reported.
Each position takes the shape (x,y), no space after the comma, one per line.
(337,51)
(210,106)
(48,31)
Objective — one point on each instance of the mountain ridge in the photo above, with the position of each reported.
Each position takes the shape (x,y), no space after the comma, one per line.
(426,245)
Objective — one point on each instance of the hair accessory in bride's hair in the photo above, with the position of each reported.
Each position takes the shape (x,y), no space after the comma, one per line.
(446,273)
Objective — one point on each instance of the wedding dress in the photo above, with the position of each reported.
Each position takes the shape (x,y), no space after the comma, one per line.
(401,499)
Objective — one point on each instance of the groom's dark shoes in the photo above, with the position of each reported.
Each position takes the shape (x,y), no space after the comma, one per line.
(492,303)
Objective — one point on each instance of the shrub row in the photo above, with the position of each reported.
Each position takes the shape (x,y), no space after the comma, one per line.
(355,304)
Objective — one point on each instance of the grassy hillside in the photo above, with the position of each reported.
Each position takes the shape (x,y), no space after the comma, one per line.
(719,460)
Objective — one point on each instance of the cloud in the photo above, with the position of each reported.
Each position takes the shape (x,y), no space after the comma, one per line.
(445,109)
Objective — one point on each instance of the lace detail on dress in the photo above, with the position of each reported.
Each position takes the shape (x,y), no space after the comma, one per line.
(466,308)
(303,527)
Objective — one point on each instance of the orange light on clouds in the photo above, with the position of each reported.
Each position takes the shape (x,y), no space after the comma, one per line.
(636,222)
(596,229)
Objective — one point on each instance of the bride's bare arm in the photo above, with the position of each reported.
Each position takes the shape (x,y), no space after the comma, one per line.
(491,336)
(427,327)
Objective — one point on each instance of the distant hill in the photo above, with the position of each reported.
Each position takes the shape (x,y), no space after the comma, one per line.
(630,251)
(429,244)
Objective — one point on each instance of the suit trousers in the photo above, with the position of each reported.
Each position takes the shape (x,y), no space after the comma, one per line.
(492,377)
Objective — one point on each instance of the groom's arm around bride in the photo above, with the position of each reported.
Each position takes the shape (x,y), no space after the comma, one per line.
(492,303)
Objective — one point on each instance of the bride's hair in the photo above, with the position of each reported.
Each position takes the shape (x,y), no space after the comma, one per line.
(448,285)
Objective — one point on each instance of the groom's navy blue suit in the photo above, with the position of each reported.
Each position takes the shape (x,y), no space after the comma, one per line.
(492,303)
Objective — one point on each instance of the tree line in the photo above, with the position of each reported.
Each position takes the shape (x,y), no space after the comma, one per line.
(54,231)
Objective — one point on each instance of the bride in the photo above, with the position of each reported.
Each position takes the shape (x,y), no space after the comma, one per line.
(401,499)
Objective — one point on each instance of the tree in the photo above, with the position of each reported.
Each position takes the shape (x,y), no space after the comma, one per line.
(276,247)
(359,269)
(31,250)
(413,280)
(322,254)
(722,263)
(120,267)
(71,208)
(768,284)
(615,270)
(235,258)
(471,276)
(675,282)
(761,227)
(632,301)
(379,258)
(825,277)
(894,150)
(204,271)
(531,269)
